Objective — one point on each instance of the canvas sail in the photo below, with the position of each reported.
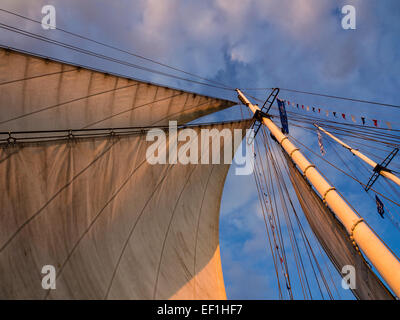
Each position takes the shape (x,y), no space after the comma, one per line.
(42,94)
(114,226)
(89,203)
(335,240)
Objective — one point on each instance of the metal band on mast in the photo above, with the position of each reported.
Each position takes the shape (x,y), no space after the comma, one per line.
(375,250)
(378,168)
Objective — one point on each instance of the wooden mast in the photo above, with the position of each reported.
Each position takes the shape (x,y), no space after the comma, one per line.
(386,263)
(383,172)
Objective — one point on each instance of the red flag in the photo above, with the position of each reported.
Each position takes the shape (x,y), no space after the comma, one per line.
(375,122)
(344,116)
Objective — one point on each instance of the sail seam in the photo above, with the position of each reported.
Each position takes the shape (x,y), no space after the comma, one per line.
(130,109)
(63,104)
(182,111)
(53,197)
(36,77)
(132,230)
(95,220)
(170,222)
(169,225)
(197,231)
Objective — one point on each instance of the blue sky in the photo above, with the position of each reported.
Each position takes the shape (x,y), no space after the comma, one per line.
(298,44)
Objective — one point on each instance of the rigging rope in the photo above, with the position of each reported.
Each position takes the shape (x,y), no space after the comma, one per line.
(116,48)
(288,197)
(342,171)
(270,186)
(103,57)
(330,96)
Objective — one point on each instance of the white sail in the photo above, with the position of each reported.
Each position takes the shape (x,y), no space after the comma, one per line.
(113,226)
(90,204)
(41,94)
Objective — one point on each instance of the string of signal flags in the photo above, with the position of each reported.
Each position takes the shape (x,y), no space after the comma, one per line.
(364,120)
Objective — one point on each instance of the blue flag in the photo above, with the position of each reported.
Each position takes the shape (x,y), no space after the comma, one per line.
(379,206)
(282,113)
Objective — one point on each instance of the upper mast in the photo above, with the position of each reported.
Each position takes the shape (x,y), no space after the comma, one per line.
(362,235)
(383,171)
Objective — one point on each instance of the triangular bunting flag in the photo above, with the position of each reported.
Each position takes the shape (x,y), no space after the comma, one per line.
(344,116)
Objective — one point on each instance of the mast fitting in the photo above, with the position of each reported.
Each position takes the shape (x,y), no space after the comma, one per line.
(308,167)
(294,150)
(326,192)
